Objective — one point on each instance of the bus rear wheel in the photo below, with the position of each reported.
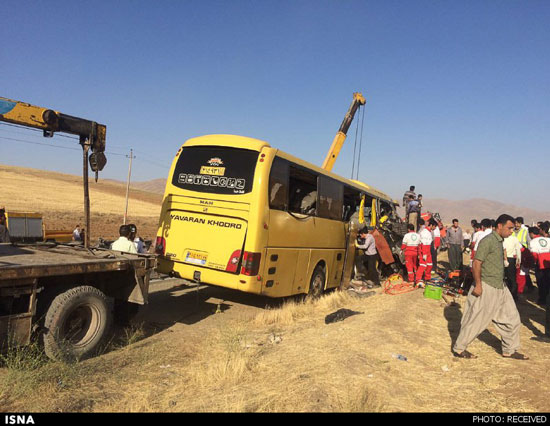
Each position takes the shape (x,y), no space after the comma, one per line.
(317,283)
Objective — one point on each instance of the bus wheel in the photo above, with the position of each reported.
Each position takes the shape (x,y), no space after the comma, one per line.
(317,283)
(76,323)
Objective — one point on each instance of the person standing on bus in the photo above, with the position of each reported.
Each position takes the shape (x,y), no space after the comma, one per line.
(407,195)
(413,210)
(369,256)
(411,242)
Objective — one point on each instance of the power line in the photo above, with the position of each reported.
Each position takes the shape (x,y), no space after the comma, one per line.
(53,146)
(158,163)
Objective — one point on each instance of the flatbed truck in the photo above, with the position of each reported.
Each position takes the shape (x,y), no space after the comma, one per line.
(66,294)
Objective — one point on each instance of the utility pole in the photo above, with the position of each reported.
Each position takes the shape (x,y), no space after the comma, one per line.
(128,184)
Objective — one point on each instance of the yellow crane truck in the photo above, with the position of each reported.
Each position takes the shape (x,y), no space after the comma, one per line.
(67,295)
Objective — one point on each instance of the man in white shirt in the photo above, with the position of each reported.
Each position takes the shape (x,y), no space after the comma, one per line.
(76,234)
(486,229)
(123,243)
(512,261)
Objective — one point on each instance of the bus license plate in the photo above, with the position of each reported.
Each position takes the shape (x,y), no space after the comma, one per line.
(196,257)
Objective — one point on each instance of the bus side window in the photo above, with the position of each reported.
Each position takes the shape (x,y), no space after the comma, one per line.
(331,198)
(302,190)
(278,185)
(352,200)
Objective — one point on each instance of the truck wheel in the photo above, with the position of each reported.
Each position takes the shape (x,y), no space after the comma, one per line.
(76,323)
(317,283)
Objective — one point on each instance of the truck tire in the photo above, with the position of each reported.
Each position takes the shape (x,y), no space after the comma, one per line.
(317,283)
(76,323)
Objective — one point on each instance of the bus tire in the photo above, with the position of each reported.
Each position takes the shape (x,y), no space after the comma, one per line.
(76,323)
(317,283)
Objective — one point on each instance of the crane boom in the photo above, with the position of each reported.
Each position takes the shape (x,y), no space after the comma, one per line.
(50,121)
(91,134)
(338,142)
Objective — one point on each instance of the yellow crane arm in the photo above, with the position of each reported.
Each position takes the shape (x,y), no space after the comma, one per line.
(50,121)
(340,137)
(92,136)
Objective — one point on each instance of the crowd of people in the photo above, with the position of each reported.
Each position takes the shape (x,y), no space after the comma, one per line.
(128,240)
(503,252)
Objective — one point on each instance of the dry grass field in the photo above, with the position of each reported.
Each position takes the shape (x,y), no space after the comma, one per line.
(216,350)
(59,197)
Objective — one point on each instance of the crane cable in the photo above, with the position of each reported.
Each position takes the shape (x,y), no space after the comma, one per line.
(354,150)
(360,142)
(357,159)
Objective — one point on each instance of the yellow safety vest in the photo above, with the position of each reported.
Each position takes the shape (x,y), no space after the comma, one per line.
(522,236)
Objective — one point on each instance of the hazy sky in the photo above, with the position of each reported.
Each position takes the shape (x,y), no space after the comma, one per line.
(458,92)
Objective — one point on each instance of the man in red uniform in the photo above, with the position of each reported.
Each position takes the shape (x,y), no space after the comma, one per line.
(425,254)
(411,242)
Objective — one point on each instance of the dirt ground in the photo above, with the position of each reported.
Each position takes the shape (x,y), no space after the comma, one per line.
(212,349)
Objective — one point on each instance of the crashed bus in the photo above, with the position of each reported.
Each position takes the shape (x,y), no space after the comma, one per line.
(240,214)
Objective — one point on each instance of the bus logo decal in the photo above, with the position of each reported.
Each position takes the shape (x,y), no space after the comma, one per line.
(216,161)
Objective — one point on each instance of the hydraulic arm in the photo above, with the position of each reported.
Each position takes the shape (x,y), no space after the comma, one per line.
(91,134)
(338,142)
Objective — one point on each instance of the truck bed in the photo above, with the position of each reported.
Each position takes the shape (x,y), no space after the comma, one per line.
(33,261)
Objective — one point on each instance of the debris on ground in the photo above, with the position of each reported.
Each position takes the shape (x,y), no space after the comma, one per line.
(274,339)
(399,357)
(340,315)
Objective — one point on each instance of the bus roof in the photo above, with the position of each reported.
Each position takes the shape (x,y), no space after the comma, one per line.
(244,142)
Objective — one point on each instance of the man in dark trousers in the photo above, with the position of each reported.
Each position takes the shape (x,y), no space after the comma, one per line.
(368,259)
(455,244)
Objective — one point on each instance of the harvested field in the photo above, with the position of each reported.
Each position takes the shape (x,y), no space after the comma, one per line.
(59,197)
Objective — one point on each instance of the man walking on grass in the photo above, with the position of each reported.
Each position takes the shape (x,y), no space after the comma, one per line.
(489,299)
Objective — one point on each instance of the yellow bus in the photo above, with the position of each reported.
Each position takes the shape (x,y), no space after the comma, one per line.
(240,214)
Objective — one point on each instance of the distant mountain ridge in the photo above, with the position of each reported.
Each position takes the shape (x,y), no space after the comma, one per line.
(479,208)
(463,210)
(156,185)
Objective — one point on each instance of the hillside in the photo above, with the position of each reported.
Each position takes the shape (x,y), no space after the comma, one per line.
(59,196)
(156,185)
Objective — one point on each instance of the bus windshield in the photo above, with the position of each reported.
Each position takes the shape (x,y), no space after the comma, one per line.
(215,169)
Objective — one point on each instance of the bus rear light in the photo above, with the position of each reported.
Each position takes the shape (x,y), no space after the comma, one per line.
(160,246)
(251,263)
(233,264)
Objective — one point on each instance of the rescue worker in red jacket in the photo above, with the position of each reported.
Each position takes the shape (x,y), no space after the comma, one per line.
(411,242)
(540,249)
(425,254)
